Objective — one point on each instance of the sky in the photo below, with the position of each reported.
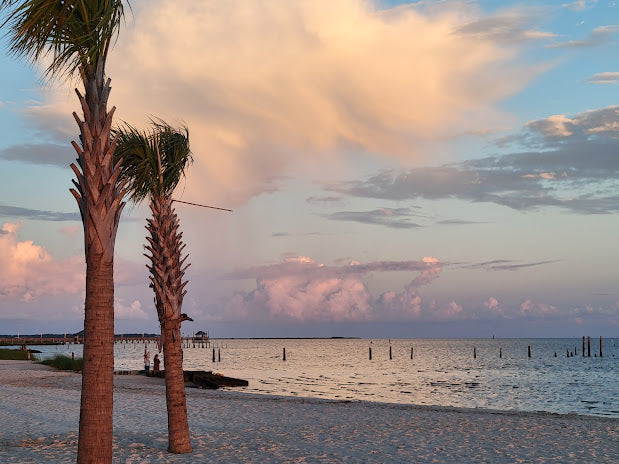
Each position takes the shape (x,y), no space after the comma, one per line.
(395,169)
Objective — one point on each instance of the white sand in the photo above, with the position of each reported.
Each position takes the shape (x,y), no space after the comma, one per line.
(39,412)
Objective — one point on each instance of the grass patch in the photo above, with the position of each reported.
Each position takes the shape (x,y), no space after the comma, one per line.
(64,363)
(15,355)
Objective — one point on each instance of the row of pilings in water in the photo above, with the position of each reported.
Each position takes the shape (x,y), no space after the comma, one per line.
(193,343)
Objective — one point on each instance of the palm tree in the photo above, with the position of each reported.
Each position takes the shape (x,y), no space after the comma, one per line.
(76,35)
(153,163)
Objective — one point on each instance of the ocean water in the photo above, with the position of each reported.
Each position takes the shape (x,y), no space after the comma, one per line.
(473,373)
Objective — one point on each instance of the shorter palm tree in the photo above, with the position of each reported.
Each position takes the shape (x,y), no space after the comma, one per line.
(152,164)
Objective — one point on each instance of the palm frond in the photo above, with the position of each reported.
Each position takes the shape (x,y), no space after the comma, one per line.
(76,33)
(142,152)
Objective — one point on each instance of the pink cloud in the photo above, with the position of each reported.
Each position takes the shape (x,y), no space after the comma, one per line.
(301,289)
(29,271)
(449,311)
(345,73)
(530,309)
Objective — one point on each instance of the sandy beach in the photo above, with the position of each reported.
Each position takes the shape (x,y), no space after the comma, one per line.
(39,410)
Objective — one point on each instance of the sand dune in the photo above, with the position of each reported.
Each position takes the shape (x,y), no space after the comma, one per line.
(39,410)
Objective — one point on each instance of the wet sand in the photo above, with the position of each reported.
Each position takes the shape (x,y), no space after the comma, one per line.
(39,412)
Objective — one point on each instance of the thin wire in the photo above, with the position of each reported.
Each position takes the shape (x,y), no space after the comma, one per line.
(203,206)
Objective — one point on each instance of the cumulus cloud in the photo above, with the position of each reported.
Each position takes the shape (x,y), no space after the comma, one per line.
(529,308)
(29,271)
(132,311)
(574,166)
(493,308)
(451,311)
(300,289)
(260,85)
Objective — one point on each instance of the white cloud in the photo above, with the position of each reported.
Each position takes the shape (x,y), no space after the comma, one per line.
(262,84)
(604,78)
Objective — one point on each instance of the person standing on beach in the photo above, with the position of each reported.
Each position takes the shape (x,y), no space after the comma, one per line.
(146,361)
(156,362)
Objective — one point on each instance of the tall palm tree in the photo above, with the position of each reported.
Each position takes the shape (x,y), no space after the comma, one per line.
(76,35)
(153,163)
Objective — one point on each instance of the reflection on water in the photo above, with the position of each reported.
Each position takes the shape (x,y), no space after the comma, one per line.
(442,372)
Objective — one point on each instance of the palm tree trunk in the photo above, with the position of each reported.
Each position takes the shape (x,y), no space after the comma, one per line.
(165,246)
(99,197)
(96,411)
(178,427)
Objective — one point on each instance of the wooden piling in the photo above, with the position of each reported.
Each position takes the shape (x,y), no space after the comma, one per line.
(529,351)
(411,352)
(500,352)
(213,354)
(370,353)
(390,357)
(589,347)
(284,356)
(583,346)
(218,354)
(474,353)
(600,346)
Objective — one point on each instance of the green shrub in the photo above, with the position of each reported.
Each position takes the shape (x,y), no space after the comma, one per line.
(15,355)
(64,363)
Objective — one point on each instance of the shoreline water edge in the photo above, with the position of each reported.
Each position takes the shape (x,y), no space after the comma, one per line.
(472,373)
(40,407)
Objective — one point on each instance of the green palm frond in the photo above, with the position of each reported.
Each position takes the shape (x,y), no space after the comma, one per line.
(76,33)
(140,153)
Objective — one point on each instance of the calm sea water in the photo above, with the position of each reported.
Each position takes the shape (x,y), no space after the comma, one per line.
(442,372)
